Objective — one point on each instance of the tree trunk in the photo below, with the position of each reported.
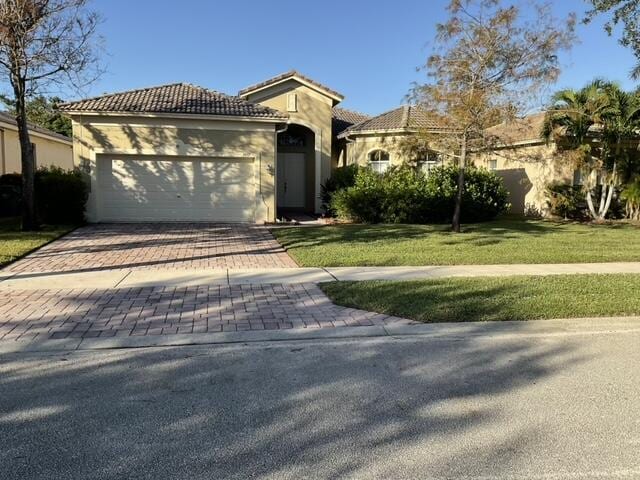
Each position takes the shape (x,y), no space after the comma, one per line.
(592,209)
(603,199)
(605,204)
(29,221)
(457,211)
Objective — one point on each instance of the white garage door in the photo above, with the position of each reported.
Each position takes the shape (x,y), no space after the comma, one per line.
(140,188)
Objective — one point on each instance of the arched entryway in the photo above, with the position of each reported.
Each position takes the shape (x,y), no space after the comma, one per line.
(295,175)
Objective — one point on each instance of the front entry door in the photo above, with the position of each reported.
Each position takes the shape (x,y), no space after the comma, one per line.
(291,180)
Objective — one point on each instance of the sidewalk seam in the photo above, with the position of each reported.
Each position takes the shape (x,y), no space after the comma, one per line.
(122,279)
(331,274)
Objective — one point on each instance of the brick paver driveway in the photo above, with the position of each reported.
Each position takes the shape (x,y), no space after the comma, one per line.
(88,313)
(44,314)
(158,246)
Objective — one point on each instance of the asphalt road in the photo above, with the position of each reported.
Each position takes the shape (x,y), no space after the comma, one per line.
(524,406)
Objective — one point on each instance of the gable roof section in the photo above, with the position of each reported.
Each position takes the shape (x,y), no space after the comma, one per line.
(341,119)
(176,98)
(7,118)
(293,75)
(407,118)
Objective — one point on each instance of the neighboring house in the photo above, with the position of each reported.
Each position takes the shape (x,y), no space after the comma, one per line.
(375,141)
(181,152)
(50,148)
(527,163)
(524,160)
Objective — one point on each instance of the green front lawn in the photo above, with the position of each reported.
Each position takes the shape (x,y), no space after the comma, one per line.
(14,243)
(498,299)
(498,242)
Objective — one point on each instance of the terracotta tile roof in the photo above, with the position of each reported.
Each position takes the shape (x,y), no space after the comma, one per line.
(287,75)
(406,117)
(519,130)
(8,118)
(341,119)
(177,98)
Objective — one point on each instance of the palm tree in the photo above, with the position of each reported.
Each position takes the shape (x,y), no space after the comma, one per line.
(620,123)
(573,118)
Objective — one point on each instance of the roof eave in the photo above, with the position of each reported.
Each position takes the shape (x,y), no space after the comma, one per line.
(53,136)
(198,116)
(349,133)
(337,98)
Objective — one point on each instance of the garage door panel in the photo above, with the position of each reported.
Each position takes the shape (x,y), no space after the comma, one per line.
(191,215)
(235,193)
(176,189)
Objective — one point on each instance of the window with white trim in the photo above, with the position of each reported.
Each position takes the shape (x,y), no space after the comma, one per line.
(578,179)
(493,164)
(428,162)
(379,161)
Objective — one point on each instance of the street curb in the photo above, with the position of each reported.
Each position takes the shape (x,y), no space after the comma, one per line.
(532,328)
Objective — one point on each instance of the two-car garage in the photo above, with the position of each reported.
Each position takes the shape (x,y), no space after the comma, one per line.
(176,153)
(134,188)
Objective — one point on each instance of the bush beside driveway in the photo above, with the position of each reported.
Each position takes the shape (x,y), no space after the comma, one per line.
(499,242)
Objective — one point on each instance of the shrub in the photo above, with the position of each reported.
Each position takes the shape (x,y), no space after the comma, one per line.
(484,196)
(361,202)
(631,196)
(569,202)
(341,178)
(60,195)
(405,195)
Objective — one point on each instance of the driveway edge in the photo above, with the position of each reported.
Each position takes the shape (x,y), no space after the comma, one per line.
(532,328)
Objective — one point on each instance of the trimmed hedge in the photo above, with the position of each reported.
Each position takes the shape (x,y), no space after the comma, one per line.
(405,195)
(60,195)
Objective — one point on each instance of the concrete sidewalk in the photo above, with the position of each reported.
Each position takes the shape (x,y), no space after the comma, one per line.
(132,278)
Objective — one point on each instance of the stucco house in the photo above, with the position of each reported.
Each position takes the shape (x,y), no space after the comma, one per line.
(376,141)
(527,163)
(185,153)
(50,148)
(180,152)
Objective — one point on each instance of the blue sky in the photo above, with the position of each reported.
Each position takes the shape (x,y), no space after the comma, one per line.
(366,50)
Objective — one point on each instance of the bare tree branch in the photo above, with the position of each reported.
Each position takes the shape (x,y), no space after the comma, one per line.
(44,42)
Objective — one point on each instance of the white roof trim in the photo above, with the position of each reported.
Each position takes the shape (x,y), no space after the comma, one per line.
(187,116)
(35,133)
(323,91)
(348,133)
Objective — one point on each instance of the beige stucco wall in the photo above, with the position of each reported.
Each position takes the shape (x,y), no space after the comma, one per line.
(48,152)
(314,112)
(527,170)
(98,135)
(358,148)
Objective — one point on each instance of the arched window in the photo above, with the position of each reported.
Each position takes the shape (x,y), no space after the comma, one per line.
(379,160)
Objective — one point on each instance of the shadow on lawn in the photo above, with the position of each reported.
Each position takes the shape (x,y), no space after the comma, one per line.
(490,232)
(280,410)
(444,300)
(475,235)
